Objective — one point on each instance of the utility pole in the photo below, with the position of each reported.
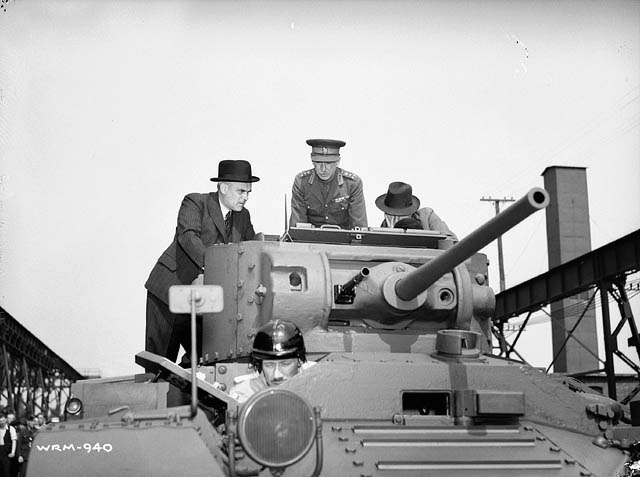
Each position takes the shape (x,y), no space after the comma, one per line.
(496,203)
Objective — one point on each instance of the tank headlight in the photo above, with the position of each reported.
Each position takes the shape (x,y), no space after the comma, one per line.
(276,427)
(73,407)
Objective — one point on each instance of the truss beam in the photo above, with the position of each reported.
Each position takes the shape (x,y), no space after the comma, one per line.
(605,264)
(32,377)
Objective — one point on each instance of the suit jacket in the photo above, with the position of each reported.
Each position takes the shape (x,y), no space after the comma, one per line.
(200,225)
(342,204)
(430,221)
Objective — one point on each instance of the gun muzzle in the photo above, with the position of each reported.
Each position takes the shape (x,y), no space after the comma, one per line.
(418,280)
(346,293)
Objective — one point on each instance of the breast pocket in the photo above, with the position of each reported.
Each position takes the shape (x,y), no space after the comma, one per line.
(339,210)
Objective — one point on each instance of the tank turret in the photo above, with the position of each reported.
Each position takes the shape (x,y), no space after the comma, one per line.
(366,283)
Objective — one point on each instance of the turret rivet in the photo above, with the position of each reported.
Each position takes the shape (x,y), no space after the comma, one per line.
(554,449)
(480,278)
(336,428)
(358,463)
(349,450)
(222,370)
(399,268)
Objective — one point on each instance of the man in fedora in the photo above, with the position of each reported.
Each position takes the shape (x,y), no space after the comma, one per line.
(399,203)
(203,220)
(327,194)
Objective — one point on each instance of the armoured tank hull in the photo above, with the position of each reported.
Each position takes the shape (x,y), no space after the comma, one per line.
(404,382)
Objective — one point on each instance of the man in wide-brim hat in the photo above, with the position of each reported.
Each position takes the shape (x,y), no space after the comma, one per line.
(203,220)
(399,203)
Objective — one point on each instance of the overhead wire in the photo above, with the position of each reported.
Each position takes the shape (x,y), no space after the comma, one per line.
(629,97)
(549,154)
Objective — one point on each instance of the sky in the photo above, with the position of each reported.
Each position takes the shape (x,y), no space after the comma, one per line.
(112,111)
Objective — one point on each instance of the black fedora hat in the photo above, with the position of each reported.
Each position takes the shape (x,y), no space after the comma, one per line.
(398,200)
(234,171)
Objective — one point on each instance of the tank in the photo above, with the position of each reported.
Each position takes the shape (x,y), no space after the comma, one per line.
(398,324)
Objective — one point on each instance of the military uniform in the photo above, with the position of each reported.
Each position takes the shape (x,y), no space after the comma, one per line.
(247,386)
(338,201)
(335,201)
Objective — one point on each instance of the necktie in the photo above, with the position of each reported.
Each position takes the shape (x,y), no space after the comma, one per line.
(227,225)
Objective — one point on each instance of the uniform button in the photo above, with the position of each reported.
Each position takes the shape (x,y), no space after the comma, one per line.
(325,205)
(327,218)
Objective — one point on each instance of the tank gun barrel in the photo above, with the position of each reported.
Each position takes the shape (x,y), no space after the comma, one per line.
(418,280)
(345,293)
(351,284)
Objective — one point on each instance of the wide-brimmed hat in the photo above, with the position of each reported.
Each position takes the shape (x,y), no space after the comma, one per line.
(398,200)
(234,171)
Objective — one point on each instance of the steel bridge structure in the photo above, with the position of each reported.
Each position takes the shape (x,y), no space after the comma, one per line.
(603,271)
(33,379)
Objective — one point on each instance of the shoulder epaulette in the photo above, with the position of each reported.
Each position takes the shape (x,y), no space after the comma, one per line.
(350,175)
(305,173)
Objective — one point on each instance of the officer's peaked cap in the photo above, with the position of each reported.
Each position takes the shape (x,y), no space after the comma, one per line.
(325,150)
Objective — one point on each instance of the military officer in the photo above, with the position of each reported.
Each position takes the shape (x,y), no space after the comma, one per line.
(327,194)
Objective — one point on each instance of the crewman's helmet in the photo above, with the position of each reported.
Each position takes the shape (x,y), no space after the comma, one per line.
(278,339)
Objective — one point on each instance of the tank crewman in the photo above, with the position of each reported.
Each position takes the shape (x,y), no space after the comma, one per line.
(8,442)
(400,203)
(203,220)
(277,355)
(327,194)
